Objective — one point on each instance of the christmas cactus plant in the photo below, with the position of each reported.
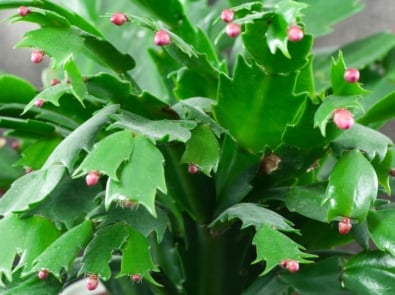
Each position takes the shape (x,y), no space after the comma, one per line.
(197,148)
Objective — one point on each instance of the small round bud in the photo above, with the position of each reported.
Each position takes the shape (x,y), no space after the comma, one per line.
(37,56)
(290,264)
(16,145)
(28,170)
(92,178)
(351,75)
(392,172)
(23,11)
(54,82)
(233,30)
(295,33)
(344,226)
(119,19)
(343,119)
(92,282)
(39,103)
(193,169)
(42,274)
(162,38)
(227,15)
(137,278)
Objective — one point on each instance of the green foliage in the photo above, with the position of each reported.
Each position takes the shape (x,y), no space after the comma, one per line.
(253,114)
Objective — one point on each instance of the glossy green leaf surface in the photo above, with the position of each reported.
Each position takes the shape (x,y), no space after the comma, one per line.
(103,159)
(166,130)
(369,273)
(69,204)
(273,247)
(36,154)
(307,201)
(320,277)
(269,284)
(69,244)
(81,138)
(8,173)
(78,87)
(270,102)
(329,105)
(26,128)
(352,187)
(15,90)
(20,237)
(109,87)
(380,228)
(98,253)
(141,176)
(31,189)
(368,140)
(253,215)
(136,257)
(202,150)
(382,110)
(340,86)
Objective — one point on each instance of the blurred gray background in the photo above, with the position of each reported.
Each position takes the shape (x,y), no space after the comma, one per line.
(378,15)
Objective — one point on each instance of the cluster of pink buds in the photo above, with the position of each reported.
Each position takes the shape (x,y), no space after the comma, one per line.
(290,264)
(232,29)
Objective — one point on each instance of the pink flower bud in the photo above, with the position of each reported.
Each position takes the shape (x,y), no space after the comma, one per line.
(233,30)
(227,15)
(344,226)
(37,56)
(162,38)
(119,18)
(92,178)
(92,282)
(351,75)
(23,11)
(290,264)
(54,82)
(137,278)
(193,169)
(42,274)
(39,103)
(295,33)
(343,119)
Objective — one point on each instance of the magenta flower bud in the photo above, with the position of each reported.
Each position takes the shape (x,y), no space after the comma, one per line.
(92,282)
(54,82)
(119,19)
(290,264)
(344,226)
(343,119)
(92,178)
(137,278)
(37,56)
(351,75)
(42,274)
(193,169)
(227,15)
(295,33)
(233,30)
(23,11)
(39,103)
(162,38)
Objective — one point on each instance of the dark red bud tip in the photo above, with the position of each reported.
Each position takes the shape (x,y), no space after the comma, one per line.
(227,15)
(92,282)
(290,264)
(343,119)
(233,30)
(92,178)
(37,56)
(193,169)
(295,33)
(54,82)
(42,274)
(119,19)
(162,38)
(392,172)
(137,278)
(39,103)
(344,226)
(351,75)
(23,11)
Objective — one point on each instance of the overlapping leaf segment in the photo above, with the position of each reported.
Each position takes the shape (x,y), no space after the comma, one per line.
(251,116)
